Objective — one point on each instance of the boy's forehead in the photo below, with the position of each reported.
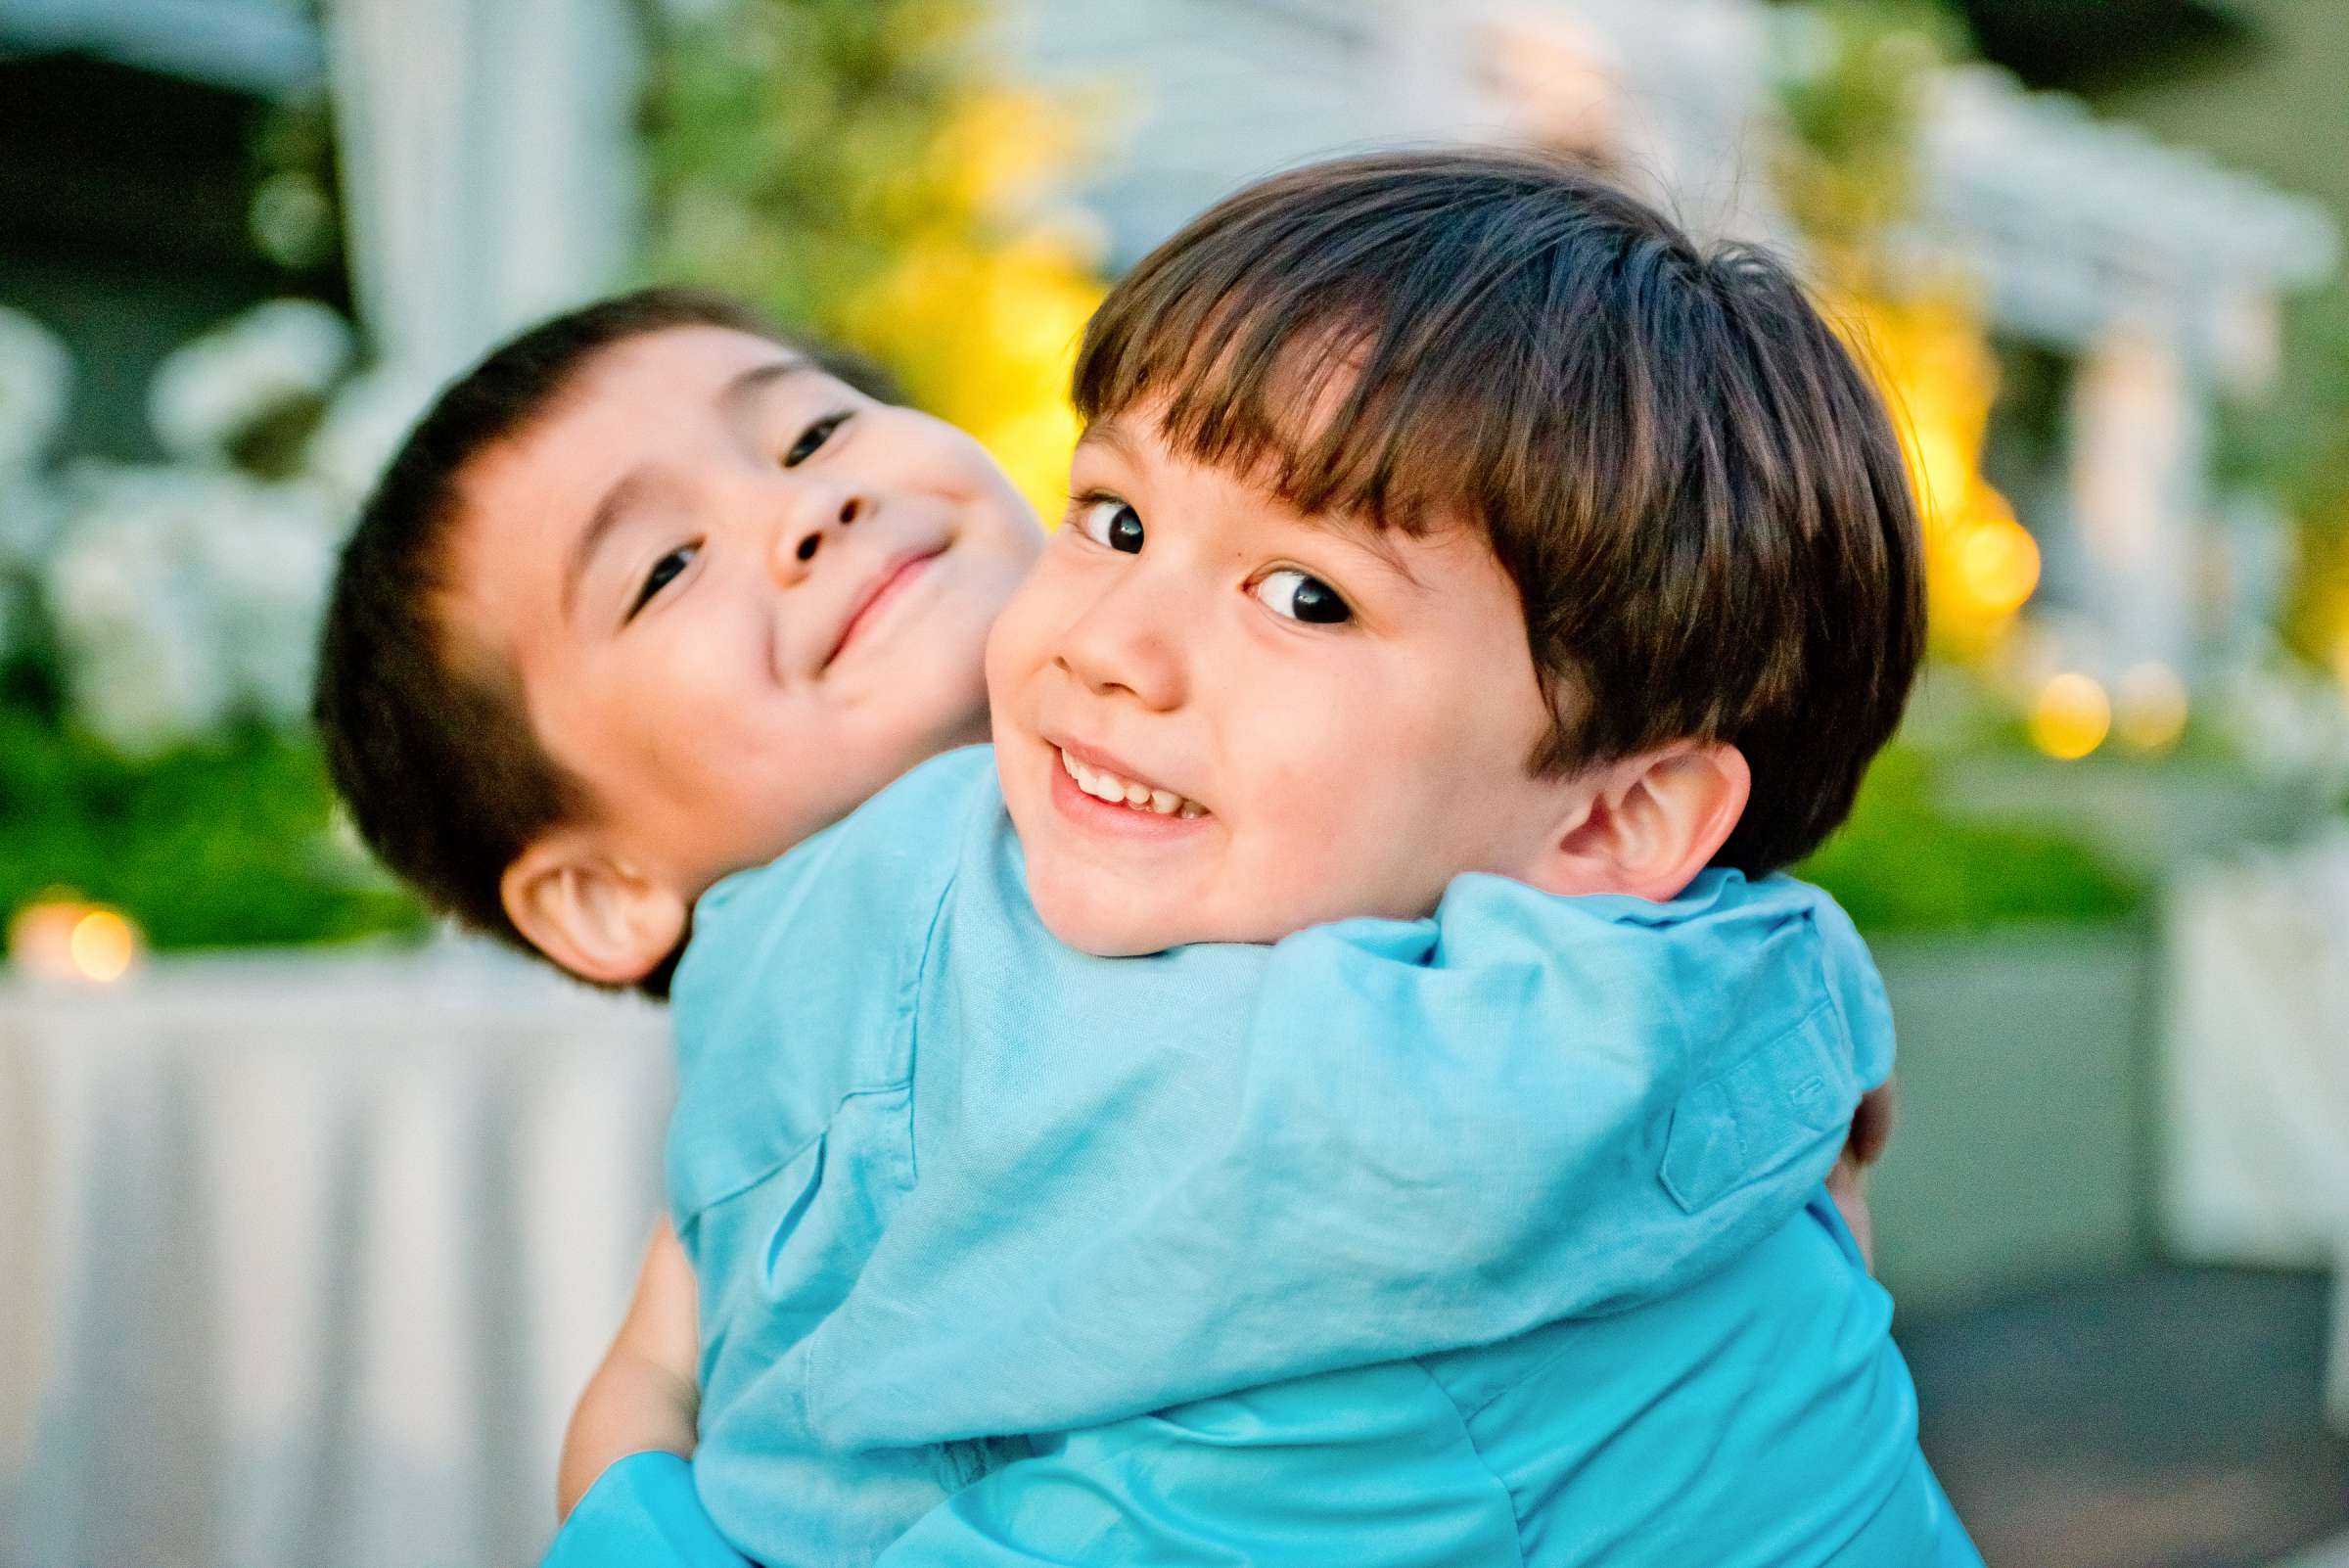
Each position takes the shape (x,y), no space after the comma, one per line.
(627,403)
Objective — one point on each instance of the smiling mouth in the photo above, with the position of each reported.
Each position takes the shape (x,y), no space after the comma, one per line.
(1110,788)
(878,592)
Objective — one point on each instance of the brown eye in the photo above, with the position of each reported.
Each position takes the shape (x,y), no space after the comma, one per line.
(812,439)
(1106,520)
(665,572)
(1300,596)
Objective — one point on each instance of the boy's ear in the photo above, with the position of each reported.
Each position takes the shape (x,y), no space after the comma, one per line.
(1647,824)
(600,918)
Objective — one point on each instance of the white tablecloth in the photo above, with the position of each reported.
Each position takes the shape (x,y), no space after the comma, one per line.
(2256,1081)
(2257,1086)
(306,1258)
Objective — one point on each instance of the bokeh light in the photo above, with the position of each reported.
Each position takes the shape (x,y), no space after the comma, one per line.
(58,937)
(102,945)
(1997,565)
(2071,716)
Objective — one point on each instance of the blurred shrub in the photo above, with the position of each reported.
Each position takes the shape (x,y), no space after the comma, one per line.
(157,624)
(222,844)
(1904,864)
(863,171)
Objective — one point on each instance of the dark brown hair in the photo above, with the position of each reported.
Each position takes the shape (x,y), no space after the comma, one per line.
(1696,490)
(428,742)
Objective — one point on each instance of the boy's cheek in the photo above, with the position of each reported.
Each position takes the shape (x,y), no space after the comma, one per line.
(1019,642)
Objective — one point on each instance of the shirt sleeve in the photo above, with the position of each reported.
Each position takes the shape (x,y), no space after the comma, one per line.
(643,1512)
(1372,1468)
(1428,1136)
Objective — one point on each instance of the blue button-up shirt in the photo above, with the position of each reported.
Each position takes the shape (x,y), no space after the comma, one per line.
(1494,1237)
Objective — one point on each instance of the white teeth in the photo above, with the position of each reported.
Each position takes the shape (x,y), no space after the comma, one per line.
(1107,786)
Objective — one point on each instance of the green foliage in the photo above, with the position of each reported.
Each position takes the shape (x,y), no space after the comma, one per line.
(1851,81)
(224,845)
(858,169)
(789,139)
(1902,864)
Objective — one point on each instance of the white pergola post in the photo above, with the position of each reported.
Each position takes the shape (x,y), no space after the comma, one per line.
(489,166)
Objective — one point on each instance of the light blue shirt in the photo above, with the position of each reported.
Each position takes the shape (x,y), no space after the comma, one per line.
(1490,1238)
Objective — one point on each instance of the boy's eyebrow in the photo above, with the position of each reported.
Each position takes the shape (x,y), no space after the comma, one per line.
(1110,434)
(1372,540)
(737,394)
(608,515)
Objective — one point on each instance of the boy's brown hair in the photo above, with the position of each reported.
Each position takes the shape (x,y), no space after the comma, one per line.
(1694,487)
(428,742)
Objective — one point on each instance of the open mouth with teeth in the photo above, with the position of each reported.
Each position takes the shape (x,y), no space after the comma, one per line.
(1106,786)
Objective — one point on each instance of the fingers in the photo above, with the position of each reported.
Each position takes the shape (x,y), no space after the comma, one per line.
(1847,1184)
(1871,1124)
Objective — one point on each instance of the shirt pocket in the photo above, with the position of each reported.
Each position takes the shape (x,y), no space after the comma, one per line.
(1765,1108)
(776,1255)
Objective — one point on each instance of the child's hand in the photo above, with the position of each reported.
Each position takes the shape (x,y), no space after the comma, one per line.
(1847,1183)
(643,1397)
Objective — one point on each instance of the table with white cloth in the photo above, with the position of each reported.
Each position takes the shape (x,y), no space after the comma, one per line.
(2256,1074)
(306,1257)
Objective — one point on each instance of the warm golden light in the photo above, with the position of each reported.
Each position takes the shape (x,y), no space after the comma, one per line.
(2071,717)
(60,937)
(102,945)
(2149,709)
(1930,354)
(1997,565)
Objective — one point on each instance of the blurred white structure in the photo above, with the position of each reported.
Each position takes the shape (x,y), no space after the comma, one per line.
(488,167)
(308,1258)
(489,172)
(2255,1149)
(257,46)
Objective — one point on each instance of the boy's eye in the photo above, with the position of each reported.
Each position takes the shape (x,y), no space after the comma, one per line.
(812,439)
(663,573)
(1300,596)
(1106,520)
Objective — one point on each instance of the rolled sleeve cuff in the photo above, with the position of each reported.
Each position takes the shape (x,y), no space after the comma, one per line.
(643,1512)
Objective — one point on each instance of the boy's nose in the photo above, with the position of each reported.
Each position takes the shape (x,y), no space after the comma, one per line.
(1128,643)
(802,536)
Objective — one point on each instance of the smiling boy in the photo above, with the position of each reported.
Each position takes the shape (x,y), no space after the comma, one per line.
(522,722)
(1379,1162)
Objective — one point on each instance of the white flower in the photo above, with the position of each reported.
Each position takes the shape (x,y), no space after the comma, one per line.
(186,597)
(362,428)
(215,389)
(36,386)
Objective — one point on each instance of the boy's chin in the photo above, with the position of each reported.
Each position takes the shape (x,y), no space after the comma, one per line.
(1084,924)
(1083,914)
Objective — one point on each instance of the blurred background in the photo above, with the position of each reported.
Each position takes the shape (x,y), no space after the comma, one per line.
(313,1217)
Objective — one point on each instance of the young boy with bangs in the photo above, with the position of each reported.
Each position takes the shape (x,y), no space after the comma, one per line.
(1450,535)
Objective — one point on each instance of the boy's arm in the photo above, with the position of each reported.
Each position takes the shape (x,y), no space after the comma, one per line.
(643,1398)
(1428,1136)
(624,1492)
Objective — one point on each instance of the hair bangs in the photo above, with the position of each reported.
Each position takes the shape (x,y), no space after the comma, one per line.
(1312,395)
